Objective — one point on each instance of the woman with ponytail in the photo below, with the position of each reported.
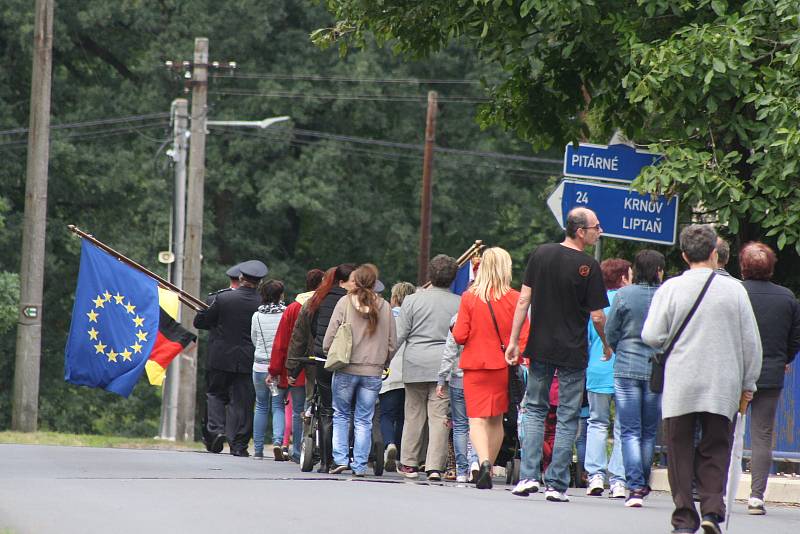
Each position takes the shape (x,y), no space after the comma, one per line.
(374,344)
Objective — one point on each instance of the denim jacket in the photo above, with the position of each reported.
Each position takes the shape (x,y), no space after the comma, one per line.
(624,331)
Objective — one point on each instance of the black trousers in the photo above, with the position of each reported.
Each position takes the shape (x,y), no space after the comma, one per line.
(324,378)
(706,463)
(230,398)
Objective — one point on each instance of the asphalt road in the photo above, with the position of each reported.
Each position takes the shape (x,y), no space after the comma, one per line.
(86,490)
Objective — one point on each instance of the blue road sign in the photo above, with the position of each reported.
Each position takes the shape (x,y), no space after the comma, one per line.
(616,163)
(623,213)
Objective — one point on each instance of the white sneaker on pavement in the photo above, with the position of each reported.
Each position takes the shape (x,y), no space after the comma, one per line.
(618,490)
(525,487)
(755,506)
(596,485)
(461,479)
(474,469)
(553,495)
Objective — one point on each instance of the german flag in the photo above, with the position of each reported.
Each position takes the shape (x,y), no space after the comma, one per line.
(171,339)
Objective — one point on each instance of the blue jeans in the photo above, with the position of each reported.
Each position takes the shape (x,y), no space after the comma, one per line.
(392,404)
(458,412)
(639,413)
(365,390)
(570,394)
(265,403)
(597,461)
(580,441)
(298,394)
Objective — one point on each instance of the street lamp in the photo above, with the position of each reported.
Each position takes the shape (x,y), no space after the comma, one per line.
(169,407)
(266,123)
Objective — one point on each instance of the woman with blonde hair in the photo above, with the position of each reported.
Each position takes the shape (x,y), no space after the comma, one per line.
(483,327)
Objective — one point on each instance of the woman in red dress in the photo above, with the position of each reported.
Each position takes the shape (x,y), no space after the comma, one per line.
(483,359)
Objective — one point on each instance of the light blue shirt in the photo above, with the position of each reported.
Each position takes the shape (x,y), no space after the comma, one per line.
(600,374)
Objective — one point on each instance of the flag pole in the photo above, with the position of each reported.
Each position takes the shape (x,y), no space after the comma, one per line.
(465,257)
(190,300)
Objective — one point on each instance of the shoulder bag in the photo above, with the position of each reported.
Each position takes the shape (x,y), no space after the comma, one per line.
(515,385)
(342,345)
(659,360)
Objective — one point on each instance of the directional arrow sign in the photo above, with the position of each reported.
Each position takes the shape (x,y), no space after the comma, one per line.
(623,213)
(616,163)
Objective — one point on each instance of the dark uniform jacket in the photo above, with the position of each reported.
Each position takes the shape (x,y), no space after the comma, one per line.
(229,318)
(778,316)
(319,324)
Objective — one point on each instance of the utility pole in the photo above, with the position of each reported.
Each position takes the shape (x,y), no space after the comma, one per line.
(180,123)
(25,413)
(425,204)
(192,263)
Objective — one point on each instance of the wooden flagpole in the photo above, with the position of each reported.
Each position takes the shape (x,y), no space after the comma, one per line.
(466,256)
(190,300)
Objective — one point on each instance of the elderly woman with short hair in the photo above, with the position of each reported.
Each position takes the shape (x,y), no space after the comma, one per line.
(422,325)
(778,317)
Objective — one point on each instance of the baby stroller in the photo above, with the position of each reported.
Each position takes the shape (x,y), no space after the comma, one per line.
(509,454)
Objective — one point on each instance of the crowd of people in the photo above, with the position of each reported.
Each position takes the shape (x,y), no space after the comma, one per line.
(589,339)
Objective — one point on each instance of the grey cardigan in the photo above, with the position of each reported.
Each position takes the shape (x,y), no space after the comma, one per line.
(423,325)
(719,353)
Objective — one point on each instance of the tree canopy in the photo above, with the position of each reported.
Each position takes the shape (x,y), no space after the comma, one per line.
(713,84)
(324,189)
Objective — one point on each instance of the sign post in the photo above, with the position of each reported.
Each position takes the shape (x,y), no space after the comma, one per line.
(613,163)
(623,213)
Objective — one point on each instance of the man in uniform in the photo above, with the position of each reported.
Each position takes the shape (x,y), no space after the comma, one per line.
(230,362)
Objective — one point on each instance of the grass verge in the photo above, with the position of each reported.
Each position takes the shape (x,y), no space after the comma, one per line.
(89,440)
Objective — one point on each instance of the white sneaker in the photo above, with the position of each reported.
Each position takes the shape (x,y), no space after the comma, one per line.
(618,490)
(390,458)
(525,487)
(596,485)
(634,501)
(474,469)
(755,506)
(461,479)
(553,495)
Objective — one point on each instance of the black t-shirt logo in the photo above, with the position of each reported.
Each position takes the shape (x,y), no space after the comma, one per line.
(583,270)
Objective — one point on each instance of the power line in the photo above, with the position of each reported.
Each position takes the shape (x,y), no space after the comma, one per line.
(344,79)
(95,122)
(346,96)
(445,150)
(85,136)
(381,154)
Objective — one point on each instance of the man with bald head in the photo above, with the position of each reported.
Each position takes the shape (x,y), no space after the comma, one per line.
(564,287)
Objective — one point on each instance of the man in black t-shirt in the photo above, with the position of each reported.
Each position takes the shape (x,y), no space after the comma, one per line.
(564,285)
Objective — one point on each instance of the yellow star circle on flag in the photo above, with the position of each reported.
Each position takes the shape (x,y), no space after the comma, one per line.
(94,335)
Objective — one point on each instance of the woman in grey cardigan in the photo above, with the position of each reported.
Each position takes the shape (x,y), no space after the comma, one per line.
(714,364)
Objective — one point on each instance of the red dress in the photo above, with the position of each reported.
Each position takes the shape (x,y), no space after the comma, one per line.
(483,361)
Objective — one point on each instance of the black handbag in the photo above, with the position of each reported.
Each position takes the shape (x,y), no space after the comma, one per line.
(659,360)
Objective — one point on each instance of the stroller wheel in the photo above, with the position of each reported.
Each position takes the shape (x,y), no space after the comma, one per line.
(377,454)
(510,472)
(307,454)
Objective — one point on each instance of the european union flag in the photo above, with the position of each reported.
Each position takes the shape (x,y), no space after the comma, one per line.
(115,323)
